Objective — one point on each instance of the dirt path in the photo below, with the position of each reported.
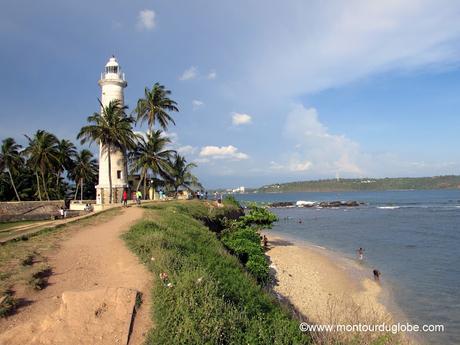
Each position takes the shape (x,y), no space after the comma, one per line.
(93,258)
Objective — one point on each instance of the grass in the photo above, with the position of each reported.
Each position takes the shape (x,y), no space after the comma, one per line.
(22,260)
(7,304)
(4,226)
(207,296)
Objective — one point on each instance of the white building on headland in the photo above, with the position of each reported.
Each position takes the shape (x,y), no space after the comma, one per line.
(238,190)
(112,84)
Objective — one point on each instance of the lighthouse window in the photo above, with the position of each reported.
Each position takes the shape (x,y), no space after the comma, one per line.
(118,174)
(111,69)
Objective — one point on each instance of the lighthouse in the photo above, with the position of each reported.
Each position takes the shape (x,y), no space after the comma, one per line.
(112,85)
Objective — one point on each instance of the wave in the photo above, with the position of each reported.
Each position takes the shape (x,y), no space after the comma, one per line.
(388,207)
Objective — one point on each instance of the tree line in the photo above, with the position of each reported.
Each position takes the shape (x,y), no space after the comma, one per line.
(49,168)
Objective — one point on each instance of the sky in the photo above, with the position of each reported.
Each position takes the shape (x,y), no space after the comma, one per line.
(268,91)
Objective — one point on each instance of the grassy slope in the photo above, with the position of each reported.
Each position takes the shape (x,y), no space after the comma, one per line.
(438,182)
(213,300)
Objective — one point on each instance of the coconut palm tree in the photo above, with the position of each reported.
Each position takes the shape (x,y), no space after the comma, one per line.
(11,160)
(151,154)
(43,156)
(66,154)
(84,169)
(180,174)
(111,128)
(154,107)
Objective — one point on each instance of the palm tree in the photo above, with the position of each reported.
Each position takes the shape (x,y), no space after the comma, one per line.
(43,156)
(11,160)
(152,155)
(111,128)
(84,169)
(180,174)
(66,154)
(154,107)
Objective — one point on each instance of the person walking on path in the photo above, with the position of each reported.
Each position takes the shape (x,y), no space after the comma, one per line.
(125,198)
(138,197)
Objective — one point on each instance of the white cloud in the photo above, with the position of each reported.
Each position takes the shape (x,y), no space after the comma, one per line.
(189,74)
(212,75)
(332,43)
(173,136)
(223,152)
(187,149)
(146,20)
(318,150)
(300,166)
(241,119)
(294,165)
(197,104)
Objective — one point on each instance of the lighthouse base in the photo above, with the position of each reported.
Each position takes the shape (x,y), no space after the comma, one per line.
(103,194)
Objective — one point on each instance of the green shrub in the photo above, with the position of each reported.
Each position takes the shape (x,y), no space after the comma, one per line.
(230,200)
(258,216)
(245,244)
(242,239)
(258,267)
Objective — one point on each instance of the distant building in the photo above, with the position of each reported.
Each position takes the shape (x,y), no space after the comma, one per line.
(239,190)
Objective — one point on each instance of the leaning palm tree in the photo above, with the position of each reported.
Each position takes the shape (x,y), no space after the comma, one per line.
(11,160)
(112,129)
(42,154)
(151,154)
(84,169)
(66,154)
(180,174)
(154,107)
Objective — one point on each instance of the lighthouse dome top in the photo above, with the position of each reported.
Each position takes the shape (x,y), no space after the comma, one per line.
(112,62)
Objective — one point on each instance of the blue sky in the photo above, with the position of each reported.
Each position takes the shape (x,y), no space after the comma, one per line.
(268,91)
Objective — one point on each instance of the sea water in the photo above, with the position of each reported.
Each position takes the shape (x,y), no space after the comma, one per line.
(411,237)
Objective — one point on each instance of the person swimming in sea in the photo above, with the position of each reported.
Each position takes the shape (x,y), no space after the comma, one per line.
(360,252)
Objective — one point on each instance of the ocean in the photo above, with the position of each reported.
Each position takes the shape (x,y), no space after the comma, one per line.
(412,237)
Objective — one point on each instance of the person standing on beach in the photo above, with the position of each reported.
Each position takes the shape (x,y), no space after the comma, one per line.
(376,275)
(265,241)
(360,254)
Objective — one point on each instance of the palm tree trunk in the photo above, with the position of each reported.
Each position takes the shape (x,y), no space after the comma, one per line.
(151,125)
(14,186)
(58,175)
(81,195)
(110,175)
(38,186)
(44,185)
(140,181)
(76,191)
(145,184)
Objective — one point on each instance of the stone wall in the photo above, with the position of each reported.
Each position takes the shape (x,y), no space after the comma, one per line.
(29,210)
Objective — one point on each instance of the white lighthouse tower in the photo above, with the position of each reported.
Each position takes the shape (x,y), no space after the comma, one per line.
(112,84)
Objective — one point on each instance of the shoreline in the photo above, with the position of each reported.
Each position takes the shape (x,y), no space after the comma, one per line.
(326,287)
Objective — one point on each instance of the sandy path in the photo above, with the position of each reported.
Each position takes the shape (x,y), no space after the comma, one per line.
(94,257)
